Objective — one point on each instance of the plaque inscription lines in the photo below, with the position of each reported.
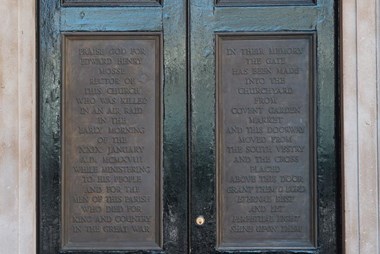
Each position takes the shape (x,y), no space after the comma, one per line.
(265,141)
(111,181)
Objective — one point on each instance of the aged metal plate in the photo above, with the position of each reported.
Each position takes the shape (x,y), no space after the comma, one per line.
(265,139)
(111,141)
(110,3)
(262,2)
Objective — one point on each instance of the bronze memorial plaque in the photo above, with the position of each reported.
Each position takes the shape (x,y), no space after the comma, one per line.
(110,2)
(111,183)
(263,2)
(266,141)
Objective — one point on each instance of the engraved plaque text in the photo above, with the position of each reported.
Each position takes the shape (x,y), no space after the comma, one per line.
(265,137)
(111,141)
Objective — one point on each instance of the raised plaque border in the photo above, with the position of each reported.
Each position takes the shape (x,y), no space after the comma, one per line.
(311,36)
(113,3)
(157,36)
(226,3)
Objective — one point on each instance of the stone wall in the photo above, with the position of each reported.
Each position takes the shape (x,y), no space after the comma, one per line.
(17,127)
(360,126)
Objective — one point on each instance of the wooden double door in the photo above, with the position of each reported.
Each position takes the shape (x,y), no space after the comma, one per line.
(181,126)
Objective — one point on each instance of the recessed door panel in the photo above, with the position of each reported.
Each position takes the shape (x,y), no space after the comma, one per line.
(110,3)
(265,141)
(111,179)
(262,2)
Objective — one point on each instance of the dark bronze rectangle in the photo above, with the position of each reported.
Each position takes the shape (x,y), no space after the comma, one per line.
(266,141)
(262,2)
(111,3)
(111,151)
